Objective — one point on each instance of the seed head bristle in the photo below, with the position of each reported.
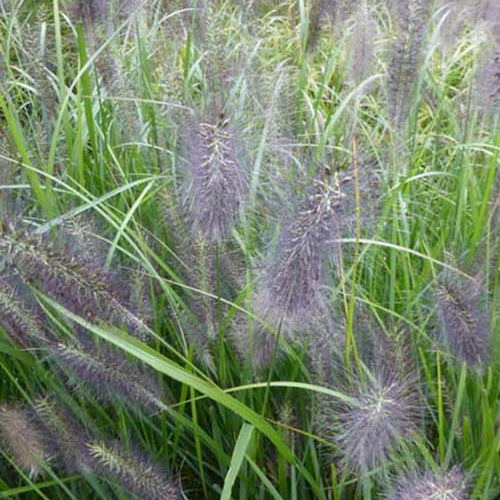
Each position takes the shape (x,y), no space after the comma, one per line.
(22,323)
(77,283)
(66,437)
(386,411)
(22,439)
(464,322)
(406,56)
(451,485)
(109,374)
(294,285)
(135,474)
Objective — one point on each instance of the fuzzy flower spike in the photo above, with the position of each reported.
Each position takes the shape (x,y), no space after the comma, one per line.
(385,412)
(295,285)
(451,485)
(218,185)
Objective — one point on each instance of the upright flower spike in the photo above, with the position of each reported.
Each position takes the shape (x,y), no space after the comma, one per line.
(370,430)
(135,474)
(76,282)
(109,374)
(465,324)
(487,92)
(362,53)
(218,185)
(22,439)
(294,285)
(404,65)
(451,485)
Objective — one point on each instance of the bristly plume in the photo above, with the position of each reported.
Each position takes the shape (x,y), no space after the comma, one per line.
(487,91)
(66,437)
(22,323)
(451,485)
(22,439)
(77,283)
(464,321)
(294,284)
(218,185)
(362,53)
(385,412)
(90,13)
(406,55)
(108,374)
(135,474)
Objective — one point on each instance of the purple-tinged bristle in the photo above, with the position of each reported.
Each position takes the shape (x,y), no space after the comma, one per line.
(23,439)
(135,474)
(451,485)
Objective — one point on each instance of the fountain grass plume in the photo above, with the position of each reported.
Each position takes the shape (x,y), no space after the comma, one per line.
(66,437)
(362,53)
(76,282)
(109,374)
(218,185)
(386,412)
(295,283)
(22,323)
(22,439)
(464,319)
(411,16)
(450,485)
(133,472)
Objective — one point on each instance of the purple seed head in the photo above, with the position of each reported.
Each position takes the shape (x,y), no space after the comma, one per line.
(411,16)
(295,283)
(465,324)
(76,282)
(451,485)
(90,12)
(218,185)
(385,412)
(109,374)
(135,474)
(22,323)
(362,53)
(487,91)
(66,437)
(22,439)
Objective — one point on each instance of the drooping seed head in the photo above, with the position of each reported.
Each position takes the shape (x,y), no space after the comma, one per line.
(411,16)
(362,53)
(109,374)
(22,439)
(487,88)
(451,485)
(77,283)
(135,474)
